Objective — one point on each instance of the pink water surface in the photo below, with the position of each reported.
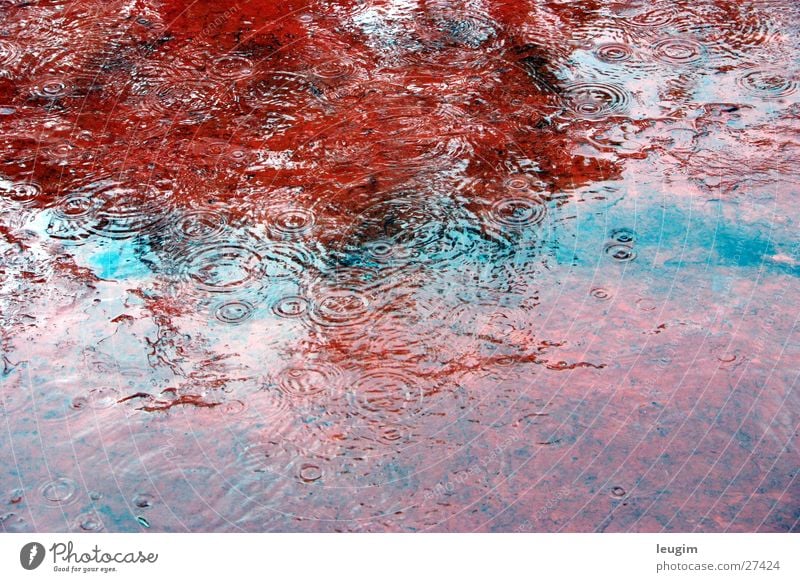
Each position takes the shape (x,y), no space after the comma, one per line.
(399,265)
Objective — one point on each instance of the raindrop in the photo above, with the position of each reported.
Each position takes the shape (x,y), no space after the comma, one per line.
(600,293)
(646,304)
(24,193)
(291,307)
(269,405)
(90,521)
(343,298)
(617,491)
(59,491)
(518,212)
(232,67)
(412,224)
(51,89)
(679,51)
(725,352)
(102,398)
(340,308)
(200,225)
(143,521)
(518,183)
(309,472)
(143,500)
(53,405)
(232,407)
(62,150)
(381,250)
(293,222)
(768,84)
(620,252)
(614,52)
(79,402)
(234,312)
(74,206)
(594,100)
(228,266)
(238,157)
(623,236)
(15,496)
(223,268)
(386,394)
(391,434)
(14,395)
(9,52)
(655,18)
(333,69)
(192,98)
(311,379)
(115,210)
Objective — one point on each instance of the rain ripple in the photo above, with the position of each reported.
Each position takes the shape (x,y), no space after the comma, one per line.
(244,262)
(311,379)
(596,100)
(614,52)
(9,53)
(60,491)
(111,209)
(345,298)
(200,225)
(679,51)
(409,226)
(22,193)
(194,101)
(232,67)
(768,84)
(387,394)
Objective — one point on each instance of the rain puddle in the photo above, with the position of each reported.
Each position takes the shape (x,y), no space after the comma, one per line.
(398,265)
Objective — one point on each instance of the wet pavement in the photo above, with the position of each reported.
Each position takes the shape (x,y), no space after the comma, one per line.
(399,265)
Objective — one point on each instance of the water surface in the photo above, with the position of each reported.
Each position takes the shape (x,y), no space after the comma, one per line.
(397,265)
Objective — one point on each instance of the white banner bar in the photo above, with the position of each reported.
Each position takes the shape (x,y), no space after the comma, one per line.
(370,557)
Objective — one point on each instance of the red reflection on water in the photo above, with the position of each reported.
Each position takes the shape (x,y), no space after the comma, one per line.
(399,266)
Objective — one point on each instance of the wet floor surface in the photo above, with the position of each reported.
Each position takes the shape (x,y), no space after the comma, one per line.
(399,265)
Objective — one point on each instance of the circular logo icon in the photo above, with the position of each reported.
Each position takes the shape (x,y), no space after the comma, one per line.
(31,556)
